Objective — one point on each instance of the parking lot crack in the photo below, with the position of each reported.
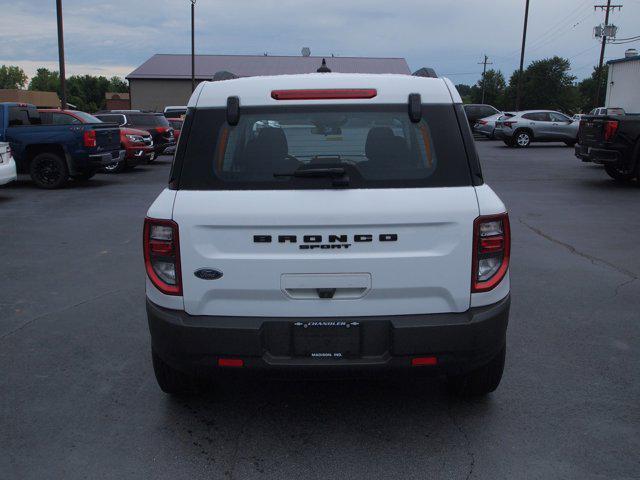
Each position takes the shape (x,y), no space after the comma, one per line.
(594,260)
(64,309)
(467,441)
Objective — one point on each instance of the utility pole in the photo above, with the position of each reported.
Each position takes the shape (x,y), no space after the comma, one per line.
(607,8)
(193,46)
(524,42)
(484,71)
(63,88)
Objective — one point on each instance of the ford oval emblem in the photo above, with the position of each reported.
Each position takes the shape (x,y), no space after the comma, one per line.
(208,274)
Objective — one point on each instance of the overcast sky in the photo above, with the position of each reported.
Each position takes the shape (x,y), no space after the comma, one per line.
(112,37)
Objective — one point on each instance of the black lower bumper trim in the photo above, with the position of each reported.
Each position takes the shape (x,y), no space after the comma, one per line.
(460,341)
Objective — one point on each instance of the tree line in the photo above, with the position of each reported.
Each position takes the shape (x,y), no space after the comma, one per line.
(85,92)
(546,84)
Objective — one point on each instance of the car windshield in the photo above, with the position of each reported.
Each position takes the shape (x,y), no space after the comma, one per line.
(376,147)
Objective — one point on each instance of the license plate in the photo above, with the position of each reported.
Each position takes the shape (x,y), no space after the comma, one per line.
(326,339)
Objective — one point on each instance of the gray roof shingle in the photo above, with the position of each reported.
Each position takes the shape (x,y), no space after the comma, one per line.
(169,66)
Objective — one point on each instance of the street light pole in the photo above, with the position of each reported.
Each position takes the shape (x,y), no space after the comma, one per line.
(193,46)
(63,89)
(524,41)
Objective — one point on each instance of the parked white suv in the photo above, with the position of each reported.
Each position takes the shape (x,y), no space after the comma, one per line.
(327,222)
(7,164)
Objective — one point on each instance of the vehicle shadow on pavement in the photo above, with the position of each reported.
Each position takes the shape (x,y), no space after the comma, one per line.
(298,422)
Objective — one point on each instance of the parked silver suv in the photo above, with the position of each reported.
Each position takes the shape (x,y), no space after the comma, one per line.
(537,126)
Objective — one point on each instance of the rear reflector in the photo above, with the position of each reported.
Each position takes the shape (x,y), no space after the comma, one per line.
(230,362)
(324,94)
(423,361)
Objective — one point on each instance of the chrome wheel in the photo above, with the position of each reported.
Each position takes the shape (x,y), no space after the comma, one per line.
(523,139)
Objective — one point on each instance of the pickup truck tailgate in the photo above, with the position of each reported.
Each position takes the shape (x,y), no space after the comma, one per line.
(107,136)
(591,131)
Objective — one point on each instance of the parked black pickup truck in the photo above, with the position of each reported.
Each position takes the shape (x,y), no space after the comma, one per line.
(52,154)
(612,141)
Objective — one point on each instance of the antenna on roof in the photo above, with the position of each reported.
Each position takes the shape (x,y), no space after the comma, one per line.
(323,68)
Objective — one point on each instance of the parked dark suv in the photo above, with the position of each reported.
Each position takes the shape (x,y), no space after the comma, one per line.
(477,111)
(155,123)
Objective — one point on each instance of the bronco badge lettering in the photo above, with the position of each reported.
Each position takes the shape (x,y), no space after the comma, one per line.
(326,242)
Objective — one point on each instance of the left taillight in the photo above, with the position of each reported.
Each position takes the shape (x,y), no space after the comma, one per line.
(89,138)
(162,255)
(491,250)
(610,129)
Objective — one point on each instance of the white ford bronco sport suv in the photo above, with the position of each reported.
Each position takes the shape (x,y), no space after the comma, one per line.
(327,222)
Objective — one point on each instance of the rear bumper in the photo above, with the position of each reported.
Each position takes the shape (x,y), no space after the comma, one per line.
(460,341)
(106,158)
(8,172)
(161,147)
(501,134)
(597,155)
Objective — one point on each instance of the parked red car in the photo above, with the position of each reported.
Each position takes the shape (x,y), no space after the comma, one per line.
(137,143)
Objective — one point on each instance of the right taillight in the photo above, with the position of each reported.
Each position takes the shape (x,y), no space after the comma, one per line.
(162,255)
(491,248)
(610,129)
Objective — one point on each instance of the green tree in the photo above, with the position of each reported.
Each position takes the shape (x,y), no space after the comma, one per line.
(546,84)
(45,80)
(494,86)
(465,92)
(12,77)
(117,84)
(587,90)
(85,92)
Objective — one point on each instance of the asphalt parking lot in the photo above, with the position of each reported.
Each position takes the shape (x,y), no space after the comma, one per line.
(78,397)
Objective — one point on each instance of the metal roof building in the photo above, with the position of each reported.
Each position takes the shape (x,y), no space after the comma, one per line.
(166,79)
(622,83)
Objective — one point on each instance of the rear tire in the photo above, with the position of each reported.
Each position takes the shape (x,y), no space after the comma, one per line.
(522,138)
(481,381)
(172,381)
(49,171)
(619,174)
(571,143)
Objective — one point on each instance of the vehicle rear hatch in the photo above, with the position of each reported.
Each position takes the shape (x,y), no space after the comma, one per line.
(407,251)
(378,220)
(591,131)
(107,136)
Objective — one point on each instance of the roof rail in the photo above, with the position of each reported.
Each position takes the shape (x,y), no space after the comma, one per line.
(425,72)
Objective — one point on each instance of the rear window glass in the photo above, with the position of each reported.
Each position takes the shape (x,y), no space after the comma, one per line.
(19,116)
(376,146)
(175,113)
(86,117)
(147,120)
(119,119)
